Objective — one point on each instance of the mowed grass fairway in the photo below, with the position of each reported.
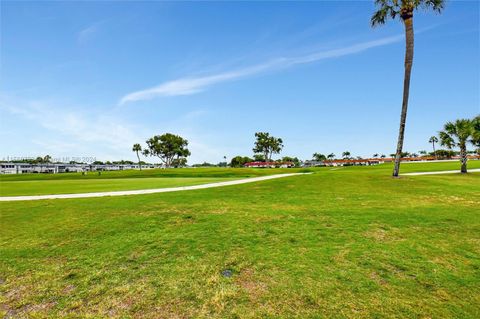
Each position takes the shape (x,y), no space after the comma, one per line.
(42,187)
(43,184)
(344,243)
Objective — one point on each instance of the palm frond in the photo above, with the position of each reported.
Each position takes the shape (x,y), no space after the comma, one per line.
(450,128)
(446,139)
(435,5)
(386,9)
(476,131)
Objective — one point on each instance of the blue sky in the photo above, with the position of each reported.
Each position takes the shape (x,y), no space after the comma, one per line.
(81,79)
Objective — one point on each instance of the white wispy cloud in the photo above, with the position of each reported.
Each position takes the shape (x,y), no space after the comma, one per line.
(61,130)
(74,128)
(88,32)
(192,85)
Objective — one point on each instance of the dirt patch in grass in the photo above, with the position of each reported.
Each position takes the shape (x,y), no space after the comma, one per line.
(28,310)
(251,285)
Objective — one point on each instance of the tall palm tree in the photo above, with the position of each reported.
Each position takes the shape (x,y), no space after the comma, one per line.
(137,148)
(403,9)
(433,140)
(457,134)
(331,156)
(346,154)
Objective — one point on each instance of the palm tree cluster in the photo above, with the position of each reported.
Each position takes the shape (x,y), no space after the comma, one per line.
(320,157)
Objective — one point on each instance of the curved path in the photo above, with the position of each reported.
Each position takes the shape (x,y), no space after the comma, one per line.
(147,191)
(472,170)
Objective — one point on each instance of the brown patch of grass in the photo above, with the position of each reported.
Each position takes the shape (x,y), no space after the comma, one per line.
(340,256)
(68,289)
(252,286)
(383,234)
(377,278)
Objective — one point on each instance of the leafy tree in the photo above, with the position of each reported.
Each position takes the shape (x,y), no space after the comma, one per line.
(47,159)
(204,164)
(331,156)
(444,154)
(457,134)
(122,162)
(236,161)
(346,155)
(179,162)
(294,160)
(267,145)
(137,148)
(259,158)
(433,140)
(404,9)
(167,148)
(319,157)
(239,161)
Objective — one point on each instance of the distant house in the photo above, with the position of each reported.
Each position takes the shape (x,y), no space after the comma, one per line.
(344,162)
(269,164)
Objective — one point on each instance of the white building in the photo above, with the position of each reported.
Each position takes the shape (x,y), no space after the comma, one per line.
(25,168)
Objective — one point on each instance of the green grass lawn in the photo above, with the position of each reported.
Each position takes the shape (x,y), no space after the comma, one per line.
(346,243)
(44,184)
(149,173)
(43,187)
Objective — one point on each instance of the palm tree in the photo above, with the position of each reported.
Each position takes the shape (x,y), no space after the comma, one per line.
(457,134)
(403,9)
(137,148)
(433,140)
(476,133)
(375,155)
(331,156)
(346,154)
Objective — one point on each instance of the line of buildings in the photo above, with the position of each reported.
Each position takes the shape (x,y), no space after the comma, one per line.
(376,161)
(54,168)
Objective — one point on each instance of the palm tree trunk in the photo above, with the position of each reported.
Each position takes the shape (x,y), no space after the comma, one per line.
(434,153)
(139,165)
(406,90)
(463,155)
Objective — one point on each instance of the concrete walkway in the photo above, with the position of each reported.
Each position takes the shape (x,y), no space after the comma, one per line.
(147,191)
(473,170)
